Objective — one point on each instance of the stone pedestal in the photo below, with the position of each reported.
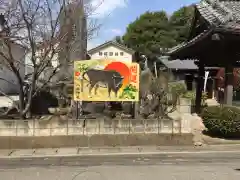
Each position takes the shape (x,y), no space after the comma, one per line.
(183,115)
(186,120)
(184,105)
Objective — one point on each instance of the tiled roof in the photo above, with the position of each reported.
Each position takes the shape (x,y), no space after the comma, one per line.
(187,64)
(209,13)
(98,48)
(219,14)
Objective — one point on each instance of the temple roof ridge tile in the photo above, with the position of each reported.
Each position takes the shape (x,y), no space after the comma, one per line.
(220,15)
(223,11)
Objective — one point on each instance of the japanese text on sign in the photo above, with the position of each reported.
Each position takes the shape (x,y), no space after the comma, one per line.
(134,71)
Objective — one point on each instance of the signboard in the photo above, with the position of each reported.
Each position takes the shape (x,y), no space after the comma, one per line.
(106,80)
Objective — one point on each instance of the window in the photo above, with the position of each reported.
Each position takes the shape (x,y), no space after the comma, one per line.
(105,54)
(121,53)
(100,53)
(116,53)
(110,53)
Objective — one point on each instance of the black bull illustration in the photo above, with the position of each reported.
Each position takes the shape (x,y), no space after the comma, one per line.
(111,79)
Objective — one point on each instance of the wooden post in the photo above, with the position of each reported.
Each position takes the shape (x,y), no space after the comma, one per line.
(199,89)
(210,88)
(228,91)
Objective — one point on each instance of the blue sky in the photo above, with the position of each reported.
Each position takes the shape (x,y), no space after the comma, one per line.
(115,15)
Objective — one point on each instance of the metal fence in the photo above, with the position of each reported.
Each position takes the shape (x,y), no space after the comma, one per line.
(56,126)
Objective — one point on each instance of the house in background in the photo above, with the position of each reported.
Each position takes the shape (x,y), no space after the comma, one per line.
(113,50)
(187,71)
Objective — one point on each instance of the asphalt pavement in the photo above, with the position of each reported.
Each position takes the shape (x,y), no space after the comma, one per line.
(167,166)
(168,163)
(124,160)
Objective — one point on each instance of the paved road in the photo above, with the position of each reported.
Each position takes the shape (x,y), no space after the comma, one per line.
(195,166)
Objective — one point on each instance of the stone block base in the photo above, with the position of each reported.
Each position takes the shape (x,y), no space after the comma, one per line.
(95,141)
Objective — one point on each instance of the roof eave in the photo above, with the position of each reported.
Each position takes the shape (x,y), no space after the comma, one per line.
(175,50)
(93,50)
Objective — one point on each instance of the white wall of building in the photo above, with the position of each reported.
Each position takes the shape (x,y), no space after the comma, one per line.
(112,52)
(29,64)
(10,86)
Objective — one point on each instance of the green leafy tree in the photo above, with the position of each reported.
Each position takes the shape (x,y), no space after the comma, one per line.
(119,40)
(153,32)
(149,33)
(181,21)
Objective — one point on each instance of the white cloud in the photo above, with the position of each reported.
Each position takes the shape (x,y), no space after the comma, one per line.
(116,31)
(105,7)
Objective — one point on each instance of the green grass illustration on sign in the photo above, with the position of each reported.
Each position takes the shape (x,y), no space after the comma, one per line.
(128,92)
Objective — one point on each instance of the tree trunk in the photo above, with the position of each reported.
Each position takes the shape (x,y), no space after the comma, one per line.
(29,100)
(21,102)
(30,95)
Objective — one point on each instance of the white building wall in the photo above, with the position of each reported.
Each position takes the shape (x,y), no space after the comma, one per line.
(10,86)
(29,64)
(111,54)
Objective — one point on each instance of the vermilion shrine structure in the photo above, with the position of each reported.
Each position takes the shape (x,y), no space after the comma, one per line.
(214,40)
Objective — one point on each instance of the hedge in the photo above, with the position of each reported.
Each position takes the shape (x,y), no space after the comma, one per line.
(222,121)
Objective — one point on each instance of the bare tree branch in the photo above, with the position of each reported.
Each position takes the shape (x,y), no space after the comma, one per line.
(45,29)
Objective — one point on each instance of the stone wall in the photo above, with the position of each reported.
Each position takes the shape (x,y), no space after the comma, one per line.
(178,122)
(59,131)
(55,126)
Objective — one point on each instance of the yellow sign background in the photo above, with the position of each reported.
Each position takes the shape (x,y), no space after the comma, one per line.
(129,90)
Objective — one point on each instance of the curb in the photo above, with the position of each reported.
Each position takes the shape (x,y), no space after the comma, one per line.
(217,141)
(122,154)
